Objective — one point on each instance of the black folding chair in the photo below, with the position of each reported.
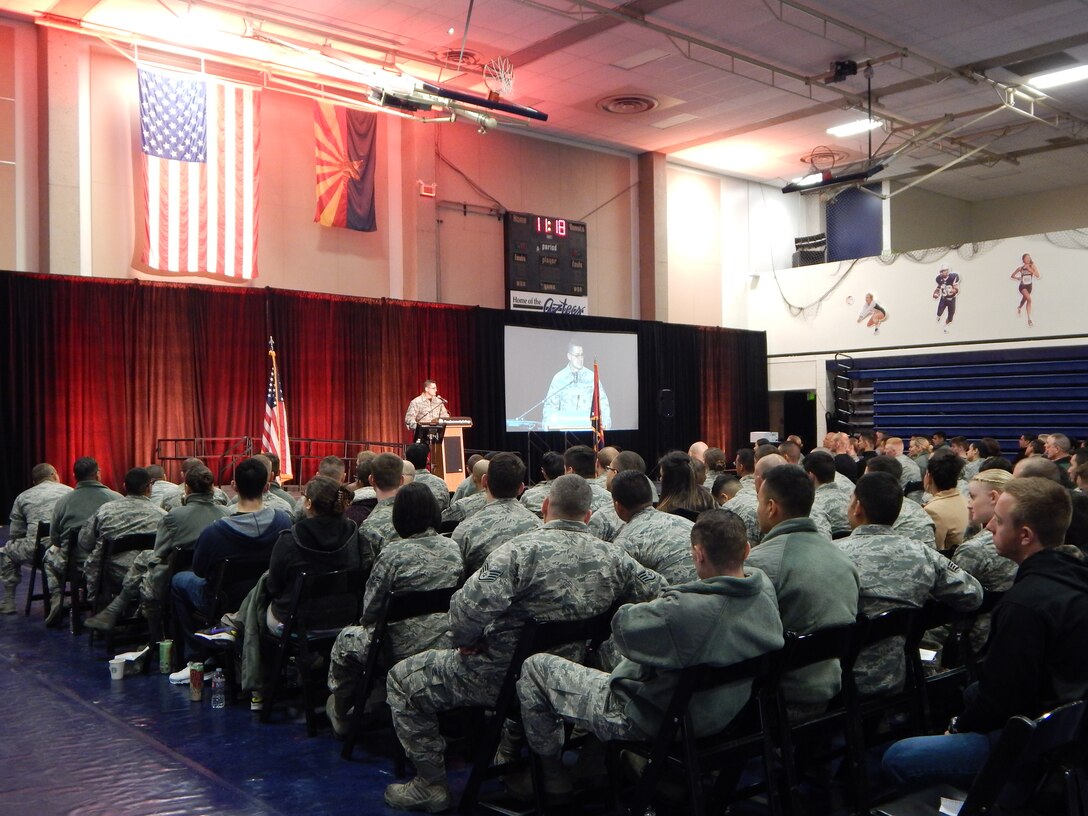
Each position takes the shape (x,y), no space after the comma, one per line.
(127,627)
(309,631)
(399,606)
(676,747)
(1027,752)
(536,636)
(37,568)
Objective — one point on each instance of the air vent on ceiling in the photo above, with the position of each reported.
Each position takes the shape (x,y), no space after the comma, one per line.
(454,56)
(627,103)
(1046,63)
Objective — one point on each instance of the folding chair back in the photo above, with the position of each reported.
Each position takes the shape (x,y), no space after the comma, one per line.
(112,547)
(676,746)
(311,625)
(536,636)
(36,569)
(398,606)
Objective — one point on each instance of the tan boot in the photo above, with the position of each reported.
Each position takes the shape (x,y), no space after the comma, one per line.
(107,618)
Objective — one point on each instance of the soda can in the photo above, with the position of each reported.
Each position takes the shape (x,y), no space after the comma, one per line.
(166,655)
(196,682)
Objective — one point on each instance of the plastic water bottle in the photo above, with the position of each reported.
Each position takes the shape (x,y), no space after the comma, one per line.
(219,689)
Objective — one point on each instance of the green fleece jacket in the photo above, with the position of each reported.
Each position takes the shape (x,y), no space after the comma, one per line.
(718,621)
(817,586)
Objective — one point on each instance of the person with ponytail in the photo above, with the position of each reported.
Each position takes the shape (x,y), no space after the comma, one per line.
(323,540)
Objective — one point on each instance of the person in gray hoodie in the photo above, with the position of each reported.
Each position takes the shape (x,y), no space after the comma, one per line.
(728,615)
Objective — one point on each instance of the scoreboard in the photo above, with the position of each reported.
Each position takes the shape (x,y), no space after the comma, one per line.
(545,255)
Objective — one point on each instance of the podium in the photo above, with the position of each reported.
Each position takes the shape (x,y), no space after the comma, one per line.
(448,449)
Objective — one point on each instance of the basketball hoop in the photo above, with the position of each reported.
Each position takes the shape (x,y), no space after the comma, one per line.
(499,77)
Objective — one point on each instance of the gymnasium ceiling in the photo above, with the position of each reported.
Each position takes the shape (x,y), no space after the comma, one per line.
(738,86)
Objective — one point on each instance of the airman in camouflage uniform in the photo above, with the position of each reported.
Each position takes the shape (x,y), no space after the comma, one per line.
(895,572)
(533,498)
(744,506)
(916,524)
(422,561)
(461,510)
(605,524)
(978,557)
(148,577)
(31,508)
(70,513)
(829,509)
(378,527)
(502,518)
(543,574)
(660,541)
(496,523)
(131,515)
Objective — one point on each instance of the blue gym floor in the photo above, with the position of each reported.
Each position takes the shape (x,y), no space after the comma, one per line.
(76,742)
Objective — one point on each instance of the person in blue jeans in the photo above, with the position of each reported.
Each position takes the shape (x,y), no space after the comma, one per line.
(1038,642)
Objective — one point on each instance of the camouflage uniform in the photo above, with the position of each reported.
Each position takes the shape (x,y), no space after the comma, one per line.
(601,497)
(559,572)
(465,489)
(844,482)
(910,475)
(978,557)
(829,505)
(915,523)
(662,542)
(378,527)
(495,524)
(440,489)
(605,524)
(461,510)
(128,516)
(277,500)
(71,513)
(897,572)
(533,498)
(161,490)
(423,561)
(31,508)
(744,506)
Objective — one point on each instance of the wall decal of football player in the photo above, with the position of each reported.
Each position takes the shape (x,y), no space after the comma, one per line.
(1025,274)
(876,313)
(948,287)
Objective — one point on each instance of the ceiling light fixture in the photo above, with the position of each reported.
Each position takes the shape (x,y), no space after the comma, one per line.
(1063,77)
(854,128)
(825,179)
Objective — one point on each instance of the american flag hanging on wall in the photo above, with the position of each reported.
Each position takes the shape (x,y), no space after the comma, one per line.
(200,150)
(274,438)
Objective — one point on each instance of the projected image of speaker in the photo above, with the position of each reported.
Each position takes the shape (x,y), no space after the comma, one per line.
(550,383)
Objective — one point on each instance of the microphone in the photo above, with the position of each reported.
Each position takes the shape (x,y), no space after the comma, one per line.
(442,399)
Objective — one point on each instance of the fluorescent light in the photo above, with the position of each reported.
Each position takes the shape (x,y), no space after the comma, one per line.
(809,180)
(854,128)
(1063,77)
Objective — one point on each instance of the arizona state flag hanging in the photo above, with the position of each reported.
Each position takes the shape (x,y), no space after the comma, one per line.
(595,410)
(345,167)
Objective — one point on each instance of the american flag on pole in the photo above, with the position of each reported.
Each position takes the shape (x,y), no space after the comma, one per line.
(595,411)
(274,438)
(200,151)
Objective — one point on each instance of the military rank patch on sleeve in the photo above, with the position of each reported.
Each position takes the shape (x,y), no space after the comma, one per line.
(490,575)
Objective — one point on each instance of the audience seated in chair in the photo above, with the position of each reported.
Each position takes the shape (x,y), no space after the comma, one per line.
(418,559)
(32,507)
(1038,641)
(727,614)
(535,575)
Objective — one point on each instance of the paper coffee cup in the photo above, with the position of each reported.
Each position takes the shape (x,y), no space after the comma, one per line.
(117,669)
